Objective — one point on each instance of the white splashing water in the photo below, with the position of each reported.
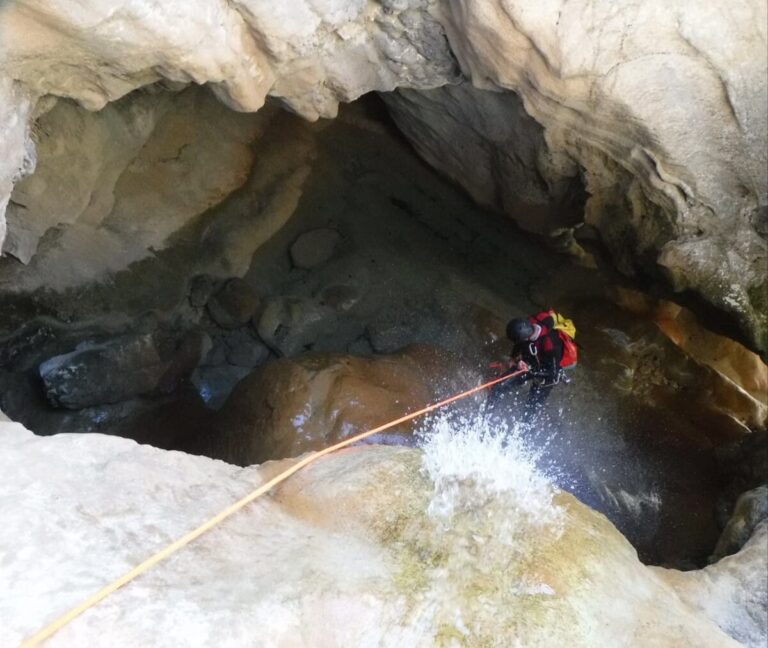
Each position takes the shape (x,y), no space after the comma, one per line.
(473,460)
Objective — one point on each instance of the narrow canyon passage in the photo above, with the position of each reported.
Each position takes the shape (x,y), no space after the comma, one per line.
(335,247)
(234,233)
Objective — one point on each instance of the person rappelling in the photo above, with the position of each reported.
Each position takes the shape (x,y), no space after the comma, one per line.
(544,348)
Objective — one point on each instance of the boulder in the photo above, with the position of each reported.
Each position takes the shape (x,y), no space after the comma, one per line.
(200,290)
(215,384)
(118,369)
(233,304)
(291,325)
(732,592)
(340,297)
(244,350)
(358,549)
(751,509)
(291,406)
(315,247)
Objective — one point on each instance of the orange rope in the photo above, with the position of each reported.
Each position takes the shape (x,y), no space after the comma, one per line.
(63,620)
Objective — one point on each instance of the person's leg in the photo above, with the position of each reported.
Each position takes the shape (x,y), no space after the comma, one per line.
(498,391)
(535,403)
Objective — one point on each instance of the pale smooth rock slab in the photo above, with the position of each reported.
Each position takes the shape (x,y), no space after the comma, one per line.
(343,554)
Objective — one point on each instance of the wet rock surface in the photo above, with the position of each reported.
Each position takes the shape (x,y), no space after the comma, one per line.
(233,304)
(520,562)
(633,435)
(166,256)
(314,248)
(290,325)
(732,592)
(295,406)
(119,369)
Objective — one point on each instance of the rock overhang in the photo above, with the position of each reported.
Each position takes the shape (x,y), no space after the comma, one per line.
(670,143)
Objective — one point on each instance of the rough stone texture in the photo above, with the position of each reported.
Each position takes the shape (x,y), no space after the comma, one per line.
(743,466)
(309,55)
(112,187)
(346,553)
(201,288)
(486,142)
(118,369)
(662,115)
(315,247)
(751,509)
(732,592)
(215,383)
(233,304)
(289,325)
(243,350)
(17,151)
(738,377)
(309,402)
(595,77)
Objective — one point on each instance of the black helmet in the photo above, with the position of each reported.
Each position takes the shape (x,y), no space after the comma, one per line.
(519,329)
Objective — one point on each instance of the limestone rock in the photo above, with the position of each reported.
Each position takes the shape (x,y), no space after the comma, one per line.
(309,402)
(308,57)
(751,509)
(340,297)
(315,247)
(113,186)
(214,384)
(291,325)
(118,369)
(388,337)
(732,592)
(636,122)
(486,142)
(736,378)
(200,290)
(743,465)
(349,552)
(392,332)
(233,304)
(243,350)
(17,151)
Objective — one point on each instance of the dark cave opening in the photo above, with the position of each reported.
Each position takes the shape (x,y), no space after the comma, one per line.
(335,245)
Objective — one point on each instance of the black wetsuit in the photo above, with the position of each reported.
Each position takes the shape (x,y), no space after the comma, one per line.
(543,356)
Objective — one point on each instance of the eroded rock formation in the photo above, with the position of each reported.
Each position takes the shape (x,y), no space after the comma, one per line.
(293,406)
(659,109)
(372,546)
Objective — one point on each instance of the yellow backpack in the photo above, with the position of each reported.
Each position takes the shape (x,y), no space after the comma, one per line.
(564,324)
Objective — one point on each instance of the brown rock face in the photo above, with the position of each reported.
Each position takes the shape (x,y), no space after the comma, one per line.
(296,405)
(736,378)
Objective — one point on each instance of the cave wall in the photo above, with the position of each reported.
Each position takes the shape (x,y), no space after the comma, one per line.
(110,186)
(486,142)
(659,107)
(662,107)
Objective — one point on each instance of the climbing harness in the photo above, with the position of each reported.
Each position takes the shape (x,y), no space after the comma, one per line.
(126,578)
